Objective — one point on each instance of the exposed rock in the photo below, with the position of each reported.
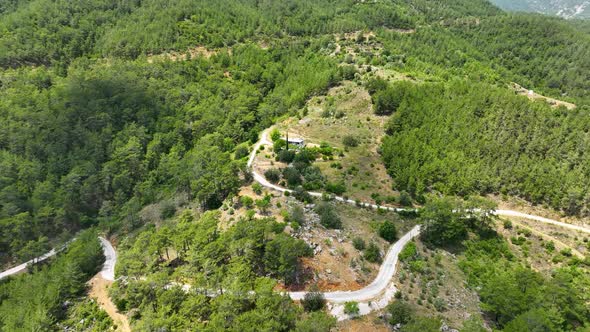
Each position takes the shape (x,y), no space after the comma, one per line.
(317,250)
(446,328)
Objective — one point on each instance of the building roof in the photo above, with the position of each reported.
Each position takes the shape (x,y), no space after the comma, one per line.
(295,140)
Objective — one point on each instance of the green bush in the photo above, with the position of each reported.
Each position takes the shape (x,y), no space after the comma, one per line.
(306,156)
(286,156)
(275,135)
(387,101)
(400,312)
(440,305)
(273,175)
(328,216)
(301,195)
(409,252)
(297,214)
(351,308)
(417,266)
(313,301)
(168,209)
(422,324)
(278,145)
(241,151)
(327,112)
(257,188)
(293,177)
(350,141)
(507,224)
(550,246)
(405,199)
(388,231)
(335,188)
(372,253)
(358,243)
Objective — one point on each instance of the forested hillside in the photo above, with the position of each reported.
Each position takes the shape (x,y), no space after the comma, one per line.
(545,54)
(84,139)
(465,138)
(56,32)
(38,301)
(106,140)
(538,52)
(569,9)
(101,128)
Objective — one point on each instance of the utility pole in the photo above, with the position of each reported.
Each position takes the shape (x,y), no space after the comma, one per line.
(287,140)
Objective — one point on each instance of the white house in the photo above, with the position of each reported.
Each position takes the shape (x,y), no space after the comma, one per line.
(298,142)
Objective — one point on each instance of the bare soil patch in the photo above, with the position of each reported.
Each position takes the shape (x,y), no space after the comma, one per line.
(535,96)
(531,239)
(99,291)
(517,204)
(193,52)
(370,322)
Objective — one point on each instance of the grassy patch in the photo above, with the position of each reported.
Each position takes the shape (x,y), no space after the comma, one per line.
(360,168)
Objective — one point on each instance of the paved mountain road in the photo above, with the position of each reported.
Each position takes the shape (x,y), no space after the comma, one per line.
(510,213)
(23,266)
(108,268)
(375,296)
(507,213)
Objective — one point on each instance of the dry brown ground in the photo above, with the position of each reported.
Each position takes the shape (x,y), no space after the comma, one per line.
(330,269)
(533,252)
(536,254)
(364,324)
(183,56)
(535,96)
(517,204)
(338,266)
(461,302)
(230,214)
(99,291)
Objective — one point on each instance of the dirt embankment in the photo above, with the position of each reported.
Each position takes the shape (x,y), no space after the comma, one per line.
(190,53)
(99,290)
(535,96)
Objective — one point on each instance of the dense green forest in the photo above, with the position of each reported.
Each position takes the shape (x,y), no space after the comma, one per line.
(464,138)
(541,53)
(37,301)
(233,264)
(84,139)
(108,139)
(56,32)
(92,134)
